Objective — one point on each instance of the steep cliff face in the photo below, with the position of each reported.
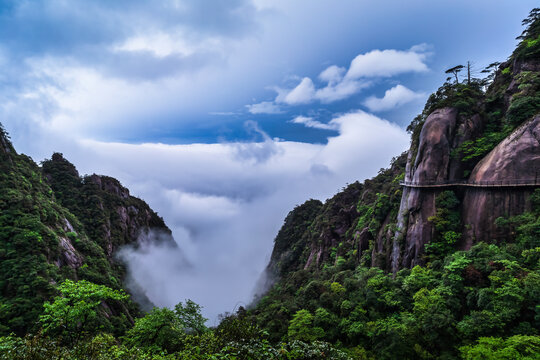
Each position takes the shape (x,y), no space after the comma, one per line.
(111,217)
(515,160)
(55,225)
(421,211)
(291,240)
(354,226)
(466,132)
(443,131)
(451,149)
(314,234)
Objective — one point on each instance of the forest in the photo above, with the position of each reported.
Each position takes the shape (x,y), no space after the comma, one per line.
(62,293)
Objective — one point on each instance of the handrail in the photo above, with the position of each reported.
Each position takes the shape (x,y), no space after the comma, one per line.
(495,183)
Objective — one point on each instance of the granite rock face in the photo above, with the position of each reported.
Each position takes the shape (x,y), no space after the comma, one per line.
(69,256)
(110,185)
(110,215)
(515,159)
(442,132)
(436,138)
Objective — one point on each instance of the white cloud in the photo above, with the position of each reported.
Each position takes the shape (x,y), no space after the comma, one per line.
(386,63)
(332,74)
(303,93)
(421,48)
(160,44)
(361,137)
(225,202)
(311,123)
(342,83)
(339,91)
(394,97)
(265,107)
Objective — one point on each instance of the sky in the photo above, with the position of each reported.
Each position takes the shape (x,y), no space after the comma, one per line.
(225,114)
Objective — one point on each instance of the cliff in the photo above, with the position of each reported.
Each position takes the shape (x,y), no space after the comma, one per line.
(436,252)
(56,225)
(452,148)
(353,227)
(111,216)
(478,131)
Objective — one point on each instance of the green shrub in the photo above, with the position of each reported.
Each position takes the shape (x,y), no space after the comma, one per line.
(522,109)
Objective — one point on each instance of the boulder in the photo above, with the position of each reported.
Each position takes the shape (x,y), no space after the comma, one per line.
(515,159)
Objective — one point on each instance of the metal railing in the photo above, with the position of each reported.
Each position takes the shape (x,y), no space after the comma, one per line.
(495,183)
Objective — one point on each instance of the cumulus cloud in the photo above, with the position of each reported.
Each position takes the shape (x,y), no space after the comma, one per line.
(341,83)
(303,93)
(311,123)
(394,97)
(332,74)
(336,89)
(341,90)
(386,63)
(264,107)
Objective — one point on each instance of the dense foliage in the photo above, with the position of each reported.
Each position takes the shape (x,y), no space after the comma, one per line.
(29,221)
(331,294)
(427,312)
(482,303)
(447,223)
(70,331)
(54,226)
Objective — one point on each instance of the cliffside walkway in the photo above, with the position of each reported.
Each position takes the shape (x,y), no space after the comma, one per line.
(478,184)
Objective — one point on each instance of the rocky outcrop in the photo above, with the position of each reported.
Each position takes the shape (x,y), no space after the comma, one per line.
(435,145)
(518,66)
(330,228)
(515,159)
(110,185)
(109,214)
(53,217)
(442,132)
(312,233)
(69,256)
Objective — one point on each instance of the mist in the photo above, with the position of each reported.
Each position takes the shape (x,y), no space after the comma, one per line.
(226,202)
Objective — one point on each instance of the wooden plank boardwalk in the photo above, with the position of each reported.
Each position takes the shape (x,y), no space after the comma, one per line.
(481,184)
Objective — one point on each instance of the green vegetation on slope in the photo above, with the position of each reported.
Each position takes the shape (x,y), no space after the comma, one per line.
(461,304)
(332,298)
(56,226)
(427,312)
(29,219)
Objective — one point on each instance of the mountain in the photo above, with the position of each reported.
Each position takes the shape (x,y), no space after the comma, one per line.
(482,146)
(439,249)
(57,225)
(436,257)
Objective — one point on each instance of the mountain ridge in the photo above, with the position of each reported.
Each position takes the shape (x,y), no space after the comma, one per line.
(57,225)
(348,267)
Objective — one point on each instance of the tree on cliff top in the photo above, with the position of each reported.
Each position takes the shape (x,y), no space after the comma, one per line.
(454,70)
(533,24)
